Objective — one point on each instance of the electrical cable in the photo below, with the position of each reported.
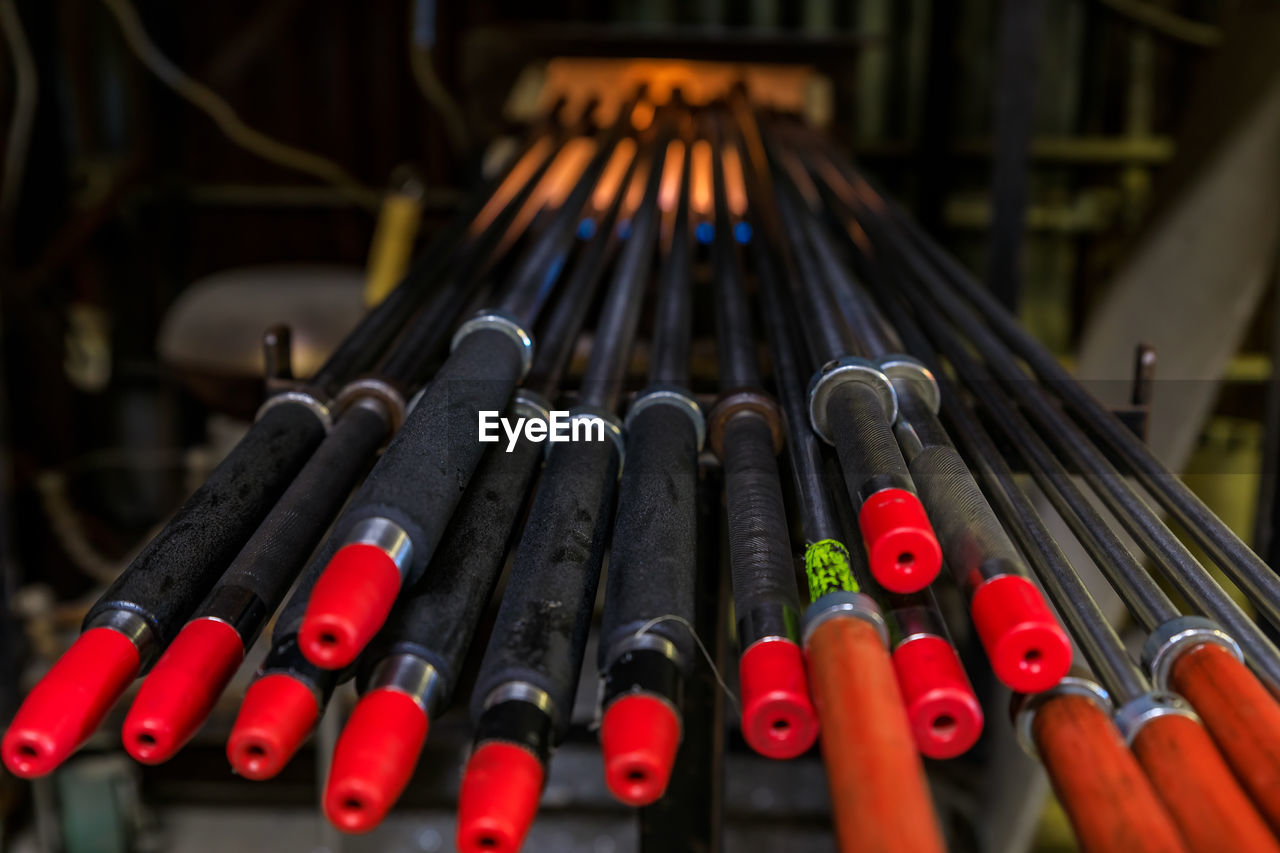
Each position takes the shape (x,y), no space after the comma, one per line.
(26,97)
(226,118)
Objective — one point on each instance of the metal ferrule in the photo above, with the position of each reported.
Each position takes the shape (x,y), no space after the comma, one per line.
(412,676)
(301,398)
(643,671)
(530,404)
(1173,639)
(376,395)
(681,399)
(521,691)
(286,658)
(499,321)
(646,642)
(840,603)
(909,439)
(240,608)
(987,571)
(909,374)
(387,536)
(913,622)
(835,373)
(1025,706)
(768,622)
(135,627)
(1136,713)
(518,721)
(612,428)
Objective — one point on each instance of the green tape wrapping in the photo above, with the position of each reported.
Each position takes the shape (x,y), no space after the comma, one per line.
(826,564)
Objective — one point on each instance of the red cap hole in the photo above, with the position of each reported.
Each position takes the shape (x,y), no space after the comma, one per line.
(636,775)
(351,804)
(1031,660)
(943,726)
(328,639)
(146,739)
(488,842)
(780,727)
(28,751)
(255,750)
(905,559)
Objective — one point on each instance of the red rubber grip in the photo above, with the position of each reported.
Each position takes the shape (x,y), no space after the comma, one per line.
(178,694)
(902,548)
(945,715)
(374,759)
(351,600)
(65,707)
(276,716)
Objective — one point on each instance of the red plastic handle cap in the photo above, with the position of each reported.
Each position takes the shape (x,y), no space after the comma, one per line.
(348,605)
(69,702)
(499,798)
(277,714)
(901,546)
(945,716)
(181,690)
(639,736)
(778,717)
(1027,647)
(374,759)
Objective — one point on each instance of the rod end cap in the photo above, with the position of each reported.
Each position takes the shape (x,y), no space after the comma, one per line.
(499,798)
(69,702)
(902,548)
(945,715)
(778,717)
(1029,651)
(176,697)
(374,759)
(277,714)
(639,736)
(351,600)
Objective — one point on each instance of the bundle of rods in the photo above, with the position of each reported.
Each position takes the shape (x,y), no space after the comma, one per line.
(862,378)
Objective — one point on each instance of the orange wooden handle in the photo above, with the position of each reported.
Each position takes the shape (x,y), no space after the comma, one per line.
(1198,788)
(1108,800)
(879,796)
(1242,718)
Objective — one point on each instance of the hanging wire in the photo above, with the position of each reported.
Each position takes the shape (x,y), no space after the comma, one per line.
(225,117)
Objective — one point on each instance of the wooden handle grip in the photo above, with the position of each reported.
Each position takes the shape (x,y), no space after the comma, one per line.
(1101,786)
(879,796)
(1198,789)
(1242,718)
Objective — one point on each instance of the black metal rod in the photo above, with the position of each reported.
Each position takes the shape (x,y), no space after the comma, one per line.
(616,327)
(735,341)
(673,325)
(1089,626)
(559,337)
(829,338)
(1170,556)
(529,289)
(378,328)
(819,519)
(1244,567)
